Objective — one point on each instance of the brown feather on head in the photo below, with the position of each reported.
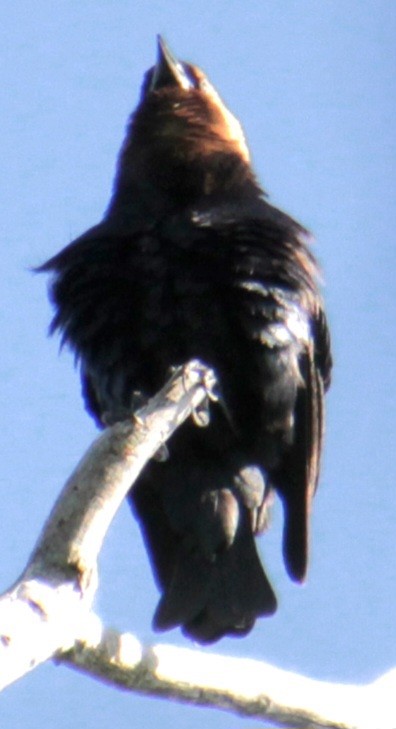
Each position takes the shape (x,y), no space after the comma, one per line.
(182,116)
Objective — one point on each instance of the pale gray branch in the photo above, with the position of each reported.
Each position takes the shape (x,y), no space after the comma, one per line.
(48,612)
(48,608)
(243,686)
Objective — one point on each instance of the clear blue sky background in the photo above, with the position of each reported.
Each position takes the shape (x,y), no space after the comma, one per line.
(314,86)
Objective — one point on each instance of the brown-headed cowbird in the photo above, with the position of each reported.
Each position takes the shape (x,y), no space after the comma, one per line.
(191,261)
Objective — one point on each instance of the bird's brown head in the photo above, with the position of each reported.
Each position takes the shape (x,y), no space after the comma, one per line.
(182,136)
(184,103)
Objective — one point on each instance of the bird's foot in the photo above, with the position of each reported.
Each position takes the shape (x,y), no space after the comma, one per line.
(201,413)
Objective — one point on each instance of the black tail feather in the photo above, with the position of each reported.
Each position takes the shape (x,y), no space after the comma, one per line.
(209,594)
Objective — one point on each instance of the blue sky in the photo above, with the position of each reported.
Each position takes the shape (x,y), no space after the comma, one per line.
(314,86)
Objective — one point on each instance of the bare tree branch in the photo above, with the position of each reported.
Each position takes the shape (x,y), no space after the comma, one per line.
(48,608)
(75,530)
(48,612)
(243,686)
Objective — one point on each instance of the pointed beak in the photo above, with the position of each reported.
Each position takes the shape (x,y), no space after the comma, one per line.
(168,71)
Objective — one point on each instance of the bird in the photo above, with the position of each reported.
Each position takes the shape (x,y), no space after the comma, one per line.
(192,261)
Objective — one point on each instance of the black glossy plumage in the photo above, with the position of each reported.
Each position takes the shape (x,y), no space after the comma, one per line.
(191,261)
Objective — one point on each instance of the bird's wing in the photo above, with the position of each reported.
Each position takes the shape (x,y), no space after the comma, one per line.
(297,477)
(280,307)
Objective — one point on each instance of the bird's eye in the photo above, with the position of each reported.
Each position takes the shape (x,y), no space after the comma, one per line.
(204,85)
